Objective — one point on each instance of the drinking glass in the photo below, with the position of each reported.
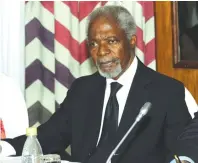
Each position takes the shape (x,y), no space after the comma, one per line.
(51,158)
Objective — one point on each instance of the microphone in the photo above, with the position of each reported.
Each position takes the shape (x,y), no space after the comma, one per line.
(177,159)
(143,111)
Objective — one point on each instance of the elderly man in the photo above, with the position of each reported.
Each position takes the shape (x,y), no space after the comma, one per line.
(100,108)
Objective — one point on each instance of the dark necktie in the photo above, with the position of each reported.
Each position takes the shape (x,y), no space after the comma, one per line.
(110,124)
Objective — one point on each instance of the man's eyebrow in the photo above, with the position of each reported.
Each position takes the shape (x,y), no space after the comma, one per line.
(106,38)
(90,40)
(112,37)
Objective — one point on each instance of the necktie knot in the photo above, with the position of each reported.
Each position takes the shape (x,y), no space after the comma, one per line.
(115,86)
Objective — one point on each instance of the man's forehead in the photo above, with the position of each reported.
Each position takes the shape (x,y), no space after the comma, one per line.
(103,25)
(103,33)
(100,28)
(104,18)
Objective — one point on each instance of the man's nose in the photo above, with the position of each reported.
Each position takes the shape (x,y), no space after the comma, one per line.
(103,50)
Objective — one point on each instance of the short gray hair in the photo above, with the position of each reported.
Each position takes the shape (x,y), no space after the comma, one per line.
(120,14)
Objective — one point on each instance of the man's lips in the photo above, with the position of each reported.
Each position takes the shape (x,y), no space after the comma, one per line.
(107,65)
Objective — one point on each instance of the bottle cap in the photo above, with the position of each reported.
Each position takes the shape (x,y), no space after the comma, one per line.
(32,131)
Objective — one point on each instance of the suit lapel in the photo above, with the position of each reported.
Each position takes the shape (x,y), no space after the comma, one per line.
(138,96)
(93,115)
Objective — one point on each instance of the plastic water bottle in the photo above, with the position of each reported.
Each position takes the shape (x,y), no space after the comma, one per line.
(32,151)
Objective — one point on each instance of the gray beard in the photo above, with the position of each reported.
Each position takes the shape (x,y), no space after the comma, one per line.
(113,74)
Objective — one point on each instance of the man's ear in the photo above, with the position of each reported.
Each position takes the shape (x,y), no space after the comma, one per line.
(133,41)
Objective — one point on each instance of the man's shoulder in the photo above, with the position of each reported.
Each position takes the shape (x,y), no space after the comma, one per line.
(165,80)
(87,81)
(88,78)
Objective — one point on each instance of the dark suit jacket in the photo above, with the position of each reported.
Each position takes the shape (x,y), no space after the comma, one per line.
(187,144)
(78,120)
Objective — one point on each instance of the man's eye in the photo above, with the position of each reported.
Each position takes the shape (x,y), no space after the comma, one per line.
(112,41)
(92,44)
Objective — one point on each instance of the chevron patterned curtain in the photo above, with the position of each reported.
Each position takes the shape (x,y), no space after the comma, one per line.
(55,51)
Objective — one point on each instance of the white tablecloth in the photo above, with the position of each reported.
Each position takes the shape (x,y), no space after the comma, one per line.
(18,160)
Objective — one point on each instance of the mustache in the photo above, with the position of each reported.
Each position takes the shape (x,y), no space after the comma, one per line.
(107,60)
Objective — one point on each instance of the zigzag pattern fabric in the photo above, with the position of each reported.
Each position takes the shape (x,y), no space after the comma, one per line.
(55,51)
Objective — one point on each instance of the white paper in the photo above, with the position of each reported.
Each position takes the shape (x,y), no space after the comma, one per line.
(18,160)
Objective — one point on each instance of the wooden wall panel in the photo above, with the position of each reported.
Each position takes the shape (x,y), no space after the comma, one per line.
(164,49)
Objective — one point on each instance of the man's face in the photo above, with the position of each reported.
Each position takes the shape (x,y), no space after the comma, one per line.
(109,47)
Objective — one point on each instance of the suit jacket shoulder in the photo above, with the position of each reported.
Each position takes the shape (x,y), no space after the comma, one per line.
(88,83)
(161,81)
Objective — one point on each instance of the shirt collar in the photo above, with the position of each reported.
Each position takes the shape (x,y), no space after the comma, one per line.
(127,77)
